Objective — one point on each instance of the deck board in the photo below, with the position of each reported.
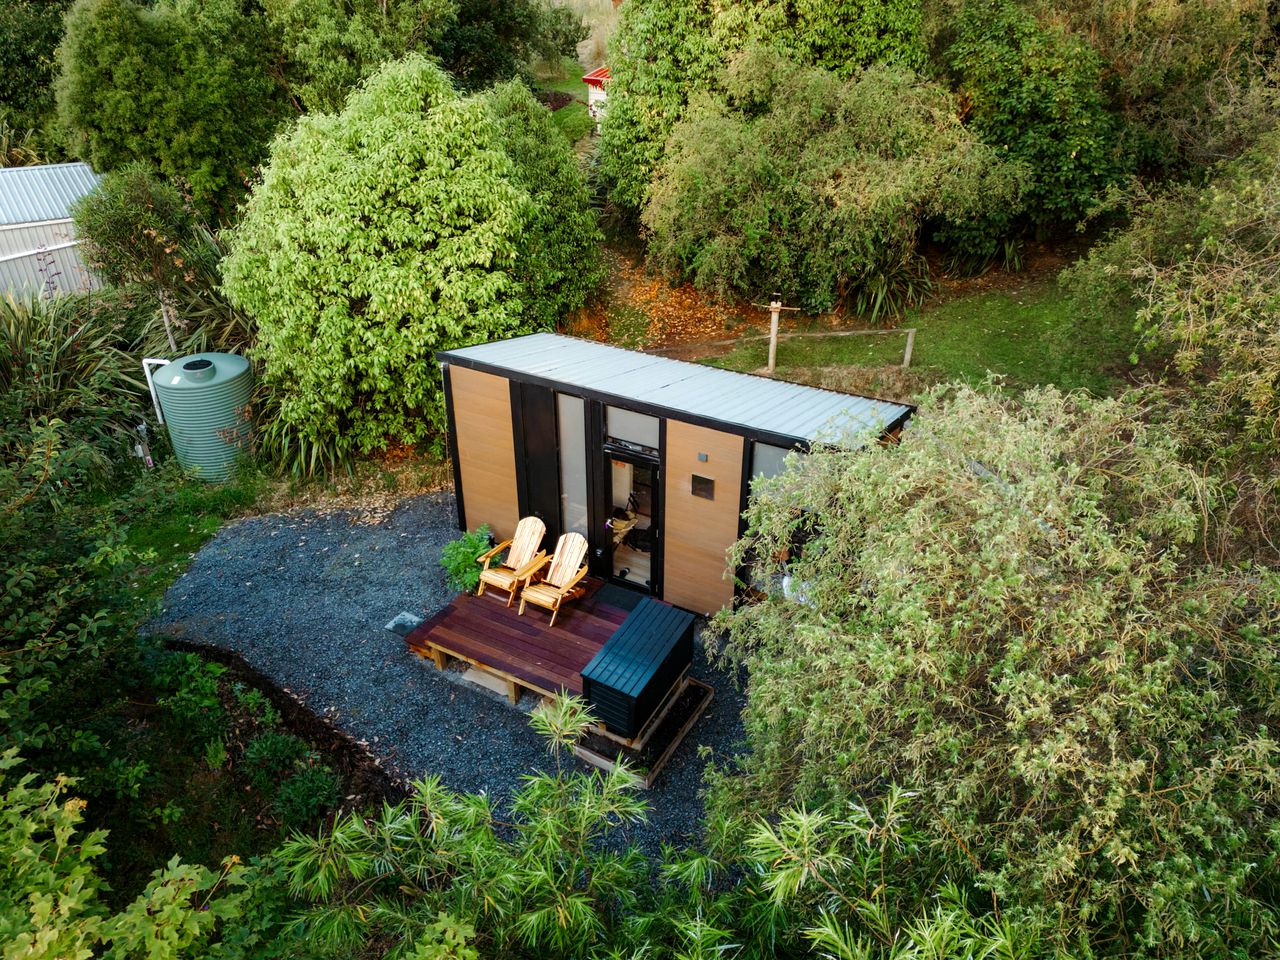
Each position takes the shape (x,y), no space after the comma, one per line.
(525,649)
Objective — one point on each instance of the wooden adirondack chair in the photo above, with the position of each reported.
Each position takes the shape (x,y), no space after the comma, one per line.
(560,583)
(523,559)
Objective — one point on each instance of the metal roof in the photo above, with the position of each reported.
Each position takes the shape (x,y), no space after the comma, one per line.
(32,194)
(685,390)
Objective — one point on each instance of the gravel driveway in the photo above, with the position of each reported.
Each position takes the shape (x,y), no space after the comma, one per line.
(304,597)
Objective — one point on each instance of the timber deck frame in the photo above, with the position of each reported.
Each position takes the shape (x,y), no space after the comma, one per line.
(523,651)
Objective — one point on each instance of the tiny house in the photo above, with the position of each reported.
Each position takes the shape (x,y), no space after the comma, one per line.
(651,459)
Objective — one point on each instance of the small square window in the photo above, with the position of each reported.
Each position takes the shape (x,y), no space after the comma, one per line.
(703,487)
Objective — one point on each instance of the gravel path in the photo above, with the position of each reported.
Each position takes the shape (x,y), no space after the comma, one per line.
(303,598)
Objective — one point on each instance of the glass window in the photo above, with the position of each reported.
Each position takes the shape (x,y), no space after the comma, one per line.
(633,429)
(766,460)
(571,414)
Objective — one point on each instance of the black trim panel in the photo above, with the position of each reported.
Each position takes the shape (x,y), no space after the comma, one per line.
(452,427)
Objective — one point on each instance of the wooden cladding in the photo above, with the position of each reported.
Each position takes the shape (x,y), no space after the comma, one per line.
(486,450)
(698,532)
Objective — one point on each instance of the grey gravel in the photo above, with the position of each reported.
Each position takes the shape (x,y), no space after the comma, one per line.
(304,597)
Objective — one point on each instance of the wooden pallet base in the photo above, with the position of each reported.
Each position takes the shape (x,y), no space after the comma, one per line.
(682,710)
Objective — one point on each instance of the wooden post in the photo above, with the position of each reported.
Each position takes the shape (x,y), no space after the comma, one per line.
(775,308)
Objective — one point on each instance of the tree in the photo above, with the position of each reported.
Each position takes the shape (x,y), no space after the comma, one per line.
(181,86)
(1006,615)
(136,229)
(349,320)
(494,40)
(331,45)
(1035,95)
(666,50)
(804,183)
(29,33)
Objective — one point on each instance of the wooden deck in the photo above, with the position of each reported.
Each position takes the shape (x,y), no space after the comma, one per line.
(523,651)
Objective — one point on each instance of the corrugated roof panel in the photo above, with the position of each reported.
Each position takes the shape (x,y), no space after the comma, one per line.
(54,273)
(46,192)
(758,404)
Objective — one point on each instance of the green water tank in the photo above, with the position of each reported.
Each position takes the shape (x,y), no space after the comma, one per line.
(205,402)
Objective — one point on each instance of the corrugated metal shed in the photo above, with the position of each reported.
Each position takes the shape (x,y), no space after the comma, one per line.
(46,192)
(689,391)
(38,252)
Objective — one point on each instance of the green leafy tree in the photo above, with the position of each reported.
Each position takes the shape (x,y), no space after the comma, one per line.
(135,229)
(665,51)
(1006,615)
(495,40)
(1201,266)
(331,45)
(182,86)
(817,187)
(29,34)
(349,319)
(1035,95)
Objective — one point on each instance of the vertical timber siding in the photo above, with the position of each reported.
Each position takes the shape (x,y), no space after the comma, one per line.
(486,449)
(697,532)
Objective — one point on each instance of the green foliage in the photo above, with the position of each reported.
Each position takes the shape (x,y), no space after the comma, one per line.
(61,366)
(558,262)
(181,86)
(495,40)
(665,51)
(349,321)
(1035,95)
(458,558)
(305,795)
(1203,268)
(51,895)
(1006,615)
(194,695)
(271,754)
(816,187)
(138,230)
(332,45)
(29,33)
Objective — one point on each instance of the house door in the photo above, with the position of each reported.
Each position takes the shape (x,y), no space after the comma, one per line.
(633,498)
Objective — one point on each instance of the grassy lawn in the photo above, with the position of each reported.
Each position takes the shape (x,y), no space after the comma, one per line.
(1028,334)
(572,119)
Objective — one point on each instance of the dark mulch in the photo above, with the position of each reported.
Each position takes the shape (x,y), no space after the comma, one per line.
(302,599)
(554,99)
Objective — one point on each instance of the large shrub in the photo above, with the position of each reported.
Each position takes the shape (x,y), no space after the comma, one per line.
(665,51)
(137,230)
(800,182)
(331,45)
(1035,95)
(1202,268)
(29,33)
(1005,614)
(182,86)
(350,318)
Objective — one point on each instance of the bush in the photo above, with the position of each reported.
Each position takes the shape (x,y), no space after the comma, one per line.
(29,34)
(1006,615)
(816,187)
(139,231)
(182,87)
(1200,266)
(1035,95)
(304,796)
(270,755)
(349,321)
(459,559)
(667,50)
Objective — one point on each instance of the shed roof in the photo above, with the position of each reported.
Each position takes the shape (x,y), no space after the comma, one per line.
(740,402)
(46,192)
(597,77)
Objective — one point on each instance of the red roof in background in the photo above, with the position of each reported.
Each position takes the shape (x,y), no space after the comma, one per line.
(597,77)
